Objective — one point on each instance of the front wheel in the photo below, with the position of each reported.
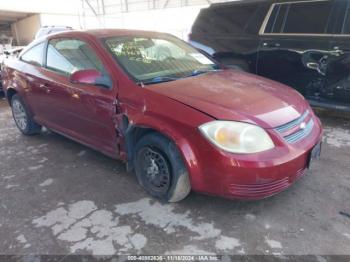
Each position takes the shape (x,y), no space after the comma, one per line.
(160,168)
(22,118)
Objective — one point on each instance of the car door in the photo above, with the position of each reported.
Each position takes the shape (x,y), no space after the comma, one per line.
(295,45)
(83,112)
(339,70)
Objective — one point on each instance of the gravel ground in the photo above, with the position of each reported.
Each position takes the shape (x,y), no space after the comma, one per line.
(59,197)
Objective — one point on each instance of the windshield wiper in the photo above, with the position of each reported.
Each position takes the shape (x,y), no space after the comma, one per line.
(161,79)
(201,71)
(158,79)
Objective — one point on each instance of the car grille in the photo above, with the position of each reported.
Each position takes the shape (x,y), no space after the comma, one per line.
(298,132)
(293,138)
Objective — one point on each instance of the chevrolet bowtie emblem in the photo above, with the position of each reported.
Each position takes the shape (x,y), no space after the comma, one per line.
(302,125)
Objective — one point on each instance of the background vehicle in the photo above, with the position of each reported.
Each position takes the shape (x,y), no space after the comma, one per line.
(12,52)
(46,30)
(5,43)
(1,89)
(304,44)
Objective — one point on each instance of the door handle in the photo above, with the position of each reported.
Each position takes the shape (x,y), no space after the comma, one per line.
(45,87)
(267,44)
(76,96)
(337,51)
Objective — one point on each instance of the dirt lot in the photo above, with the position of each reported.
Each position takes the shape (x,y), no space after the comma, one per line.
(59,197)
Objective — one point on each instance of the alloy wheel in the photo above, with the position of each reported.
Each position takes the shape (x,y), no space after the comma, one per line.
(19,115)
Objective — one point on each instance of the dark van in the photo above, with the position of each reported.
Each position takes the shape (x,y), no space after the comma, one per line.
(304,44)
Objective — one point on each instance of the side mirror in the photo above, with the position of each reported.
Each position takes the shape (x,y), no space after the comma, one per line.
(90,77)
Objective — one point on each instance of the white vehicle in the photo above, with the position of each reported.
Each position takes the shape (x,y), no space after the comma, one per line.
(5,43)
(46,30)
(9,53)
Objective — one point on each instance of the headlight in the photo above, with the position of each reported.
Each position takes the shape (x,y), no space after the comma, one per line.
(237,137)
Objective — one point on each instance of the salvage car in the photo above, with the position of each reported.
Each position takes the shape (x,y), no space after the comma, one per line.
(181,121)
(304,44)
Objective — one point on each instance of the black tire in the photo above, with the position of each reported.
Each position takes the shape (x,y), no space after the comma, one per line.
(26,125)
(165,177)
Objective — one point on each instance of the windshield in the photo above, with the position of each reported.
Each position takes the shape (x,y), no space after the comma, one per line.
(156,59)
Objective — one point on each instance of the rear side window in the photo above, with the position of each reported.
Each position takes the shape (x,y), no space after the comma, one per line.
(277,20)
(34,55)
(69,55)
(346,22)
(341,18)
(225,19)
(299,18)
(310,17)
(234,19)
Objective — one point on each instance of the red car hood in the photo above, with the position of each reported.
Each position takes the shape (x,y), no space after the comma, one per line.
(238,96)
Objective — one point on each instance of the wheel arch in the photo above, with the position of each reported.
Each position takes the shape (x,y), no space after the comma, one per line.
(136,130)
(10,92)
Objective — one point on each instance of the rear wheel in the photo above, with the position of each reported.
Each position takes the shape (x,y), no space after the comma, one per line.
(22,118)
(160,169)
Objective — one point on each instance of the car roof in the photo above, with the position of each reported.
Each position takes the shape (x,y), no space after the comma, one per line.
(55,26)
(96,33)
(103,33)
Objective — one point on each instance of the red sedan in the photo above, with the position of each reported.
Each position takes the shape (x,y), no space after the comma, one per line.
(171,113)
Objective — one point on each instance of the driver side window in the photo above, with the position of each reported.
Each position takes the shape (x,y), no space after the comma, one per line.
(66,56)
